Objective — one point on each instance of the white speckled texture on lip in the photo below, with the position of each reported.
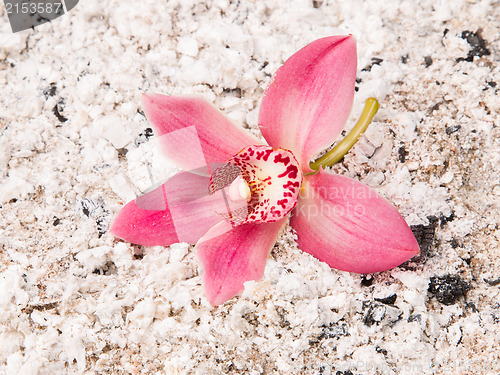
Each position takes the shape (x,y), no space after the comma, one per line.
(75,146)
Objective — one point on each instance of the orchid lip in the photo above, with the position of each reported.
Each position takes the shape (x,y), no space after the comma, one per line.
(268,179)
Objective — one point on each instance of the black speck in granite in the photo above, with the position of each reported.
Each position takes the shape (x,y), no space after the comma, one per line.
(366,280)
(467,259)
(493,282)
(375,61)
(122,152)
(378,349)
(495,317)
(57,112)
(283,322)
(489,85)
(404,59)
(389,300)
(435,107)
(452,129)
(402,154)
(144,136)
(96,210)
(428,61)
(317,3)
(50,90)
(446,219)
(424,234)
(87,206)
(56,222)
(40,307)
(334,331)
(251,318)
(102,226)
(448,289)
(138,251)
(235,92)
(378,313)
(471,306)
(109,268)
(358,81)
(454,243)
(414,318)
(478,44)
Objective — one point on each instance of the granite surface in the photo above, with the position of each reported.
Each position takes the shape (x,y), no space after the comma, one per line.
(75,146)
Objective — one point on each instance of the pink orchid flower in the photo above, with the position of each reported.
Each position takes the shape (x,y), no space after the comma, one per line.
(236,193)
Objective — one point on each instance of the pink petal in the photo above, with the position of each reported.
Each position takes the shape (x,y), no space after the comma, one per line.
(180,210)
(144,227)
(349,226)
(192,132)
(310,97)
(231,256)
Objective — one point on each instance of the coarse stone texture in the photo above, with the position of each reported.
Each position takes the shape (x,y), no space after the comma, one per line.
(75,146)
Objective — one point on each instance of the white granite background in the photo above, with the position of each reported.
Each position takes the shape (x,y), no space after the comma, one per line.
(74,147)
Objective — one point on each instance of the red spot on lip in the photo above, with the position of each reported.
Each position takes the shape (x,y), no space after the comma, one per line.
(274,211)
(282,203)
(280,159)
(292,171)
(290,183)
(267,153)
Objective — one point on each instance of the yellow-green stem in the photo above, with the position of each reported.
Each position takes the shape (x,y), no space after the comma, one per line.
(337,153)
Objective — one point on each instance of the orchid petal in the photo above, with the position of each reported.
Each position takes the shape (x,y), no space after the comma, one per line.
(231,256)
(310,97)
(349,226)
(180,210)
(192,132)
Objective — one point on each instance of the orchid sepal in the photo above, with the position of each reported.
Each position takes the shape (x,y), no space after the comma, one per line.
(230,256)
(189,129)
(350,226)
(308,101)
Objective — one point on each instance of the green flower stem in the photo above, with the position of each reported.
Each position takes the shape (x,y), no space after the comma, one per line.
(337,153)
